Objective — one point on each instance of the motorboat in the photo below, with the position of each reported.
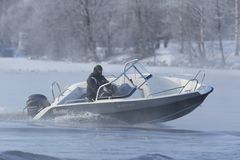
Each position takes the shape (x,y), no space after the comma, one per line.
(136,96)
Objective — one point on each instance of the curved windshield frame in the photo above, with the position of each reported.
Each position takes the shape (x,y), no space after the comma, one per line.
(124,84)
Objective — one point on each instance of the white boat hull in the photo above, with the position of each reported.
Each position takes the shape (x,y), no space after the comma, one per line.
(159,109)
(138,97)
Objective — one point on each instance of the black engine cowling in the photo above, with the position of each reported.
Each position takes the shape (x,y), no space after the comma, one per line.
(35,103)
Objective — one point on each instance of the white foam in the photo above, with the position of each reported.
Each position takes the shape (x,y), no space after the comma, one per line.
(77,117)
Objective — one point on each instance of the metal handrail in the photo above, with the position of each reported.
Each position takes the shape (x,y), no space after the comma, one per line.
(195,79)
(191,80)
(98,91)
(128,65)
(171,89)
(59,89)
(129,62)
(124,73)
(203,76)
(132,62)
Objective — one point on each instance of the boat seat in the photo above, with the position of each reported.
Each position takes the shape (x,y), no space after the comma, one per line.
(76,101)
(82,98)
(123,91)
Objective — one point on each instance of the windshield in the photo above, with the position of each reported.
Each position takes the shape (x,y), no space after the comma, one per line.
(133,77)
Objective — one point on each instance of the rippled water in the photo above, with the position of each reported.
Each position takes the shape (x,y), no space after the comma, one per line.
(85,137)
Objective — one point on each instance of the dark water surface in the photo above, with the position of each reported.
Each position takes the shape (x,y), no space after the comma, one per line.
(48,140)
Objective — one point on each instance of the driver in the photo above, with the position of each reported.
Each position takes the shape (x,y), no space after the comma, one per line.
(94,81)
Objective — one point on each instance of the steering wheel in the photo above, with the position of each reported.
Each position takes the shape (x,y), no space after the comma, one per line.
(109,90)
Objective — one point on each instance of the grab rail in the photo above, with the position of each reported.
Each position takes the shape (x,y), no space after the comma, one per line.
(98,91)
(191,80)
(129,62)
(125,76)
(195,79)
(203,76)
(132,62)
(126,68)
(59,89)
(171,89)
(182,87)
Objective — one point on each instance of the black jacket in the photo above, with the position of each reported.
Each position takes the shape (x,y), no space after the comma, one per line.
(94,81)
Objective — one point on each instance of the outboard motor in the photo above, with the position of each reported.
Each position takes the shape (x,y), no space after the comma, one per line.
(35,103)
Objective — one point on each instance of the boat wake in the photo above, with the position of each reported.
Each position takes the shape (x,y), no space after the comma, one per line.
(81,117)
(86,118)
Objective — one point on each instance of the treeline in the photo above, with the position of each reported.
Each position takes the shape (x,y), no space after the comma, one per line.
(81,29)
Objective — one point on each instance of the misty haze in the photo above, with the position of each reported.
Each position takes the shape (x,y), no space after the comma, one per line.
(165,32)
(171,73)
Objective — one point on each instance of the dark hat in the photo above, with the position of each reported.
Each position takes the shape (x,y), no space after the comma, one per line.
(98,69)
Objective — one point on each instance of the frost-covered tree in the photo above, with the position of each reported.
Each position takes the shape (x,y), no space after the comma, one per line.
(147,25)
(191,26)
(219,17)
(109,26)
(196,14)
(7,27)
(79,29)
(237,27)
